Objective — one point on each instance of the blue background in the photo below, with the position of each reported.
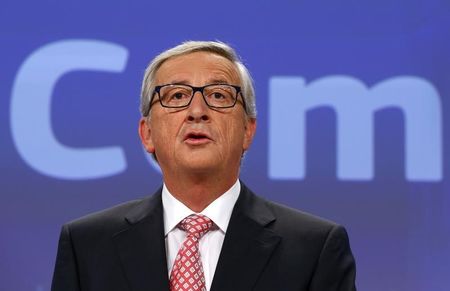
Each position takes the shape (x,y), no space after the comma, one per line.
(399,229)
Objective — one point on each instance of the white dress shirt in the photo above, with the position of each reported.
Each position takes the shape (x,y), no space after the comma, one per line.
(219,211)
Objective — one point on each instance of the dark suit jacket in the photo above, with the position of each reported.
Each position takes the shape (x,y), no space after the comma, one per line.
(267,247)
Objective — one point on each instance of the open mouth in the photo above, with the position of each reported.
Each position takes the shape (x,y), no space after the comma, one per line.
(197,138)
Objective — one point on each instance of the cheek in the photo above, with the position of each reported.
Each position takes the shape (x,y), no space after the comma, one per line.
(165,134)
(233,135)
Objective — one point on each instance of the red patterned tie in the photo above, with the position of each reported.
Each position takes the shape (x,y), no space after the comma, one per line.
(187,270)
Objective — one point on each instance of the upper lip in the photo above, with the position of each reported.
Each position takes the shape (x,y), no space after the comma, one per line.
(196,134)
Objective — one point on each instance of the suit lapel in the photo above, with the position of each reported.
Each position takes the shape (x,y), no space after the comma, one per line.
(247,246)
(141,246)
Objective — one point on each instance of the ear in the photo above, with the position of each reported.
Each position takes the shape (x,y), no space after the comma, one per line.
(250,129)
(145,133)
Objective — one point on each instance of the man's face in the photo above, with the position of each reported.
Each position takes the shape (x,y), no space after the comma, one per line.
(197,139)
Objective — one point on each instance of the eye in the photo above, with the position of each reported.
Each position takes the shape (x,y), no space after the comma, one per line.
(218,95)
(175,95)
(178,96)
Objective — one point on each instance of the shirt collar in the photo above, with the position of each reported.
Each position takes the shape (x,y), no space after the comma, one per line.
(219,211)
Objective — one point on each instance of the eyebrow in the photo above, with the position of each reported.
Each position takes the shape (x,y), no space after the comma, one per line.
(217,81)
(209,81)
(182,81)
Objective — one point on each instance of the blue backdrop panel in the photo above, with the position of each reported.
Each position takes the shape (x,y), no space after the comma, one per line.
(353,108)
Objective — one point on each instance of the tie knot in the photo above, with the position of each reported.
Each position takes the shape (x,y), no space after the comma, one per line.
(196,225)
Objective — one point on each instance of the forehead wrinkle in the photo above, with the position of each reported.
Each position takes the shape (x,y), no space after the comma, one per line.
(211,80)
(220,69)
(229,74)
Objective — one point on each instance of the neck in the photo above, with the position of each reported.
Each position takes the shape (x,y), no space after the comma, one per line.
(198,192)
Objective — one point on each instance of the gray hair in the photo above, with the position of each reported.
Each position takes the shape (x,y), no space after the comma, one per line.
(215,47)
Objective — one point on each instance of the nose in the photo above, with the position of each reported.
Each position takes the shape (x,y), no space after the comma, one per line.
(198,110)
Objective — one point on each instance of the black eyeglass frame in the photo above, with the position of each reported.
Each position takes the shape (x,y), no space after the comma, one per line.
(194,90)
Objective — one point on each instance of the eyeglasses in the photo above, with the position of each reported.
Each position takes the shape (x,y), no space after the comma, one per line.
(180,95)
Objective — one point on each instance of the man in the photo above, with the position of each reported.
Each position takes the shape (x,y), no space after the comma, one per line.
(204,229)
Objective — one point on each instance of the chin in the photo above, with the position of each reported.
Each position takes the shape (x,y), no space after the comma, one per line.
(201,164)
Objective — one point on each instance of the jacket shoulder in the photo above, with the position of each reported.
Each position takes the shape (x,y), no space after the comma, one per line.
(290,222)
(107,222)
(105,218)
(282,215)
(296,218)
